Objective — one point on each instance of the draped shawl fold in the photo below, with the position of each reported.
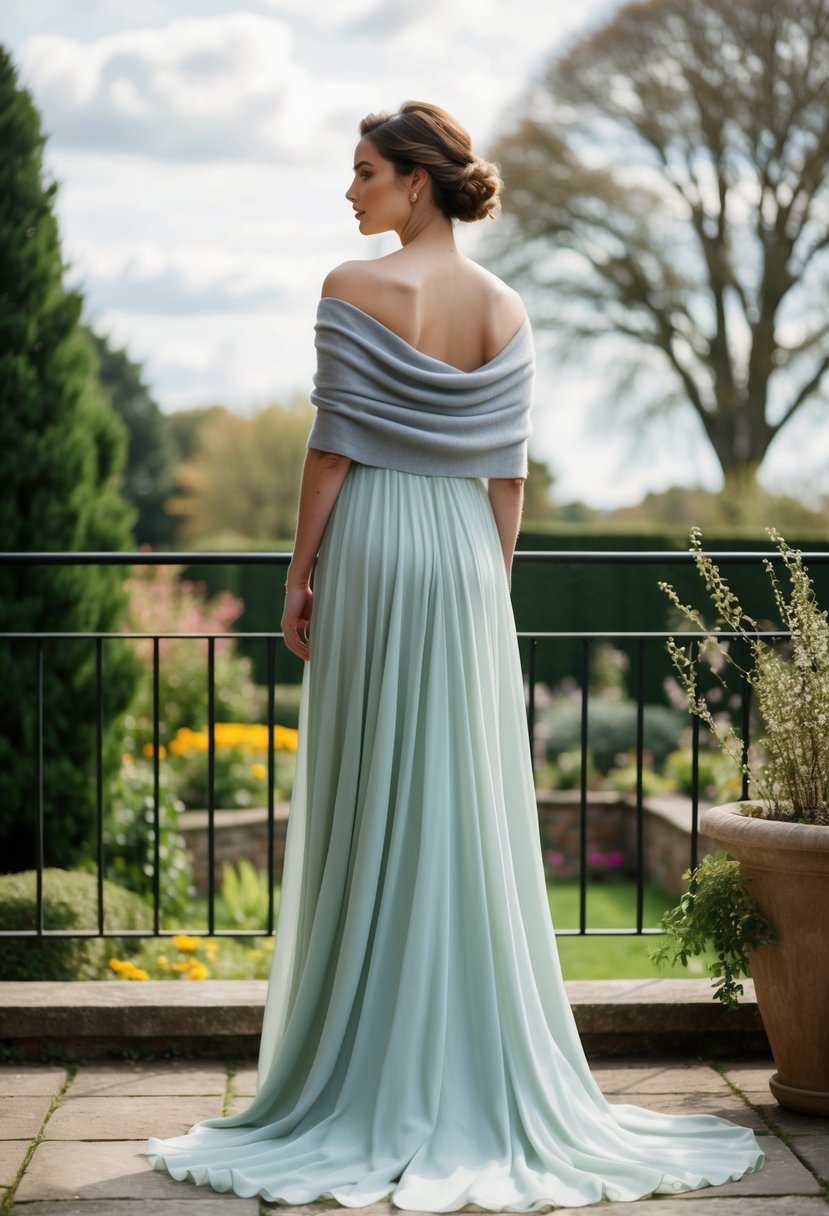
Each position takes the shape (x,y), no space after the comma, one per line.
(384,403)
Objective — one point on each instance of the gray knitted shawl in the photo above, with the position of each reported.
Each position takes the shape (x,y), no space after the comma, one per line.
(383,402)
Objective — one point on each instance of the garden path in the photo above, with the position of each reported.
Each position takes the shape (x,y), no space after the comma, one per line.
(70,1137)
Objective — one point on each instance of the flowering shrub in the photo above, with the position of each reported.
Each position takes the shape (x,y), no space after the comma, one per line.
(788,767)
(240,763)
(601,866)
(162,602)
(196,958)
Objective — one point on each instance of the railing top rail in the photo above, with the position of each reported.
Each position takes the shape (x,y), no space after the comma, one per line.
(683,635)
(279,557)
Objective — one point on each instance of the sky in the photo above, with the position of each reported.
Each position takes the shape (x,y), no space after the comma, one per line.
(202,151)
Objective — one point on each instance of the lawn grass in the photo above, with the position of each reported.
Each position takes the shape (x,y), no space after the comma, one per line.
(612,906)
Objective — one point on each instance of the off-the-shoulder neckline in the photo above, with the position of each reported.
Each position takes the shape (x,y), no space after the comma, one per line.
(460,371)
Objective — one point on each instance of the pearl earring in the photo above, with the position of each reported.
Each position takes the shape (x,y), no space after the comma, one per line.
(413,197)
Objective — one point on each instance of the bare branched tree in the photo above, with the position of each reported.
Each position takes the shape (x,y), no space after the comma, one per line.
(668,189)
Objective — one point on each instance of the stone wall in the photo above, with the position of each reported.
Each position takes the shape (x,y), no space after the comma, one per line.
(237,834)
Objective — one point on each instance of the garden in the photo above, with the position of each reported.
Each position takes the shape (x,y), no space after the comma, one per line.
(161,602)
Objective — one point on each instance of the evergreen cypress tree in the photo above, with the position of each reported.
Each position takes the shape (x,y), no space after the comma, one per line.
(61,449)
(148,478)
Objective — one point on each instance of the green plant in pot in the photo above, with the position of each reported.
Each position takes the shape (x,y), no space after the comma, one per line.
(780,834)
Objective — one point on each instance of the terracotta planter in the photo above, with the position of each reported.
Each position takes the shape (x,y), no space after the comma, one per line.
(788,864)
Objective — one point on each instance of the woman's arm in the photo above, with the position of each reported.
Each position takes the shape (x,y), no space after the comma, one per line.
(322,477)
(506,497)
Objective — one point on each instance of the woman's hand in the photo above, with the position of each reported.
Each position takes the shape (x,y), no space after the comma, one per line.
(322,477)
(296,620)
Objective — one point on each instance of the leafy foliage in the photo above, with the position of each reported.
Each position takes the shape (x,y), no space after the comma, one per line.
(611,729)
(70,901)
(243,478)
(147,477)
(788,768)
(719,911)
(245,893)
(129,839)
(61,451)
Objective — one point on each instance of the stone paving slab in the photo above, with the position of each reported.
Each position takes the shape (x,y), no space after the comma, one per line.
(228,1205)
(12,1153)
(725,1106)
(750,1076)
(111,1169)
(21,1080)
(133,1118)
(149,1079)
(244,1081)
(789,1121)
(20,1118)
(655,1078)
(815,1152)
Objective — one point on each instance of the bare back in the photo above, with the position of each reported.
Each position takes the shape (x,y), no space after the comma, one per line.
(441,303)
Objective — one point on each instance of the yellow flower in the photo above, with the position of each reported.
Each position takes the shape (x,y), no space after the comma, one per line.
(148,750)
(183,941)
(197,972)
(259,770)
(127,970)
(285,738)
(254,954)
(182,965)
(163,961)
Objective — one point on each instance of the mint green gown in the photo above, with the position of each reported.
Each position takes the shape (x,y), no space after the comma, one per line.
(417,1043)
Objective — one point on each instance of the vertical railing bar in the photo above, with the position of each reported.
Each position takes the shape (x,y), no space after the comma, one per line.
(99,774)
(156,787)
(39,834)
(640,809)
(746,725)
(695,650)
(585,681)
(531,702)
(271,655)
(211,783)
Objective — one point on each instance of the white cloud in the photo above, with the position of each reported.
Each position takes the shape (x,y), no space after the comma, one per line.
(225,87)
(202,162)
(192,281)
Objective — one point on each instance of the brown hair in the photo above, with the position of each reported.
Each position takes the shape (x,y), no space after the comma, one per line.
(464,187)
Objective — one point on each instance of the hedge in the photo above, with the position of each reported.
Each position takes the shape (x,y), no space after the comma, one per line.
(70,901)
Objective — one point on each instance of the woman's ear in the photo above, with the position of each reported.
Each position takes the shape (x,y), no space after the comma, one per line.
(419,178)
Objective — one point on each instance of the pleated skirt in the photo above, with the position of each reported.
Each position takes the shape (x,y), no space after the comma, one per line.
(417,1043)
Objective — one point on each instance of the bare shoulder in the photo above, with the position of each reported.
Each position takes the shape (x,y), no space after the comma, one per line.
(504,312)
(375,288)
(346,279)
(505,304)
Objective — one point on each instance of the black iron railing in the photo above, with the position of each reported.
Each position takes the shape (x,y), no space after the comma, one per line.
(531,642)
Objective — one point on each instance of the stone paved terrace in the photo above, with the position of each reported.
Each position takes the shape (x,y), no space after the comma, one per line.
(71,1134)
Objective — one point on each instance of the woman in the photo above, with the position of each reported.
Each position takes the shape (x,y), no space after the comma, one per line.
(417,1042)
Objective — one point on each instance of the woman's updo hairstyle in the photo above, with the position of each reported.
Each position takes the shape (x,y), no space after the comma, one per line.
(464,187)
